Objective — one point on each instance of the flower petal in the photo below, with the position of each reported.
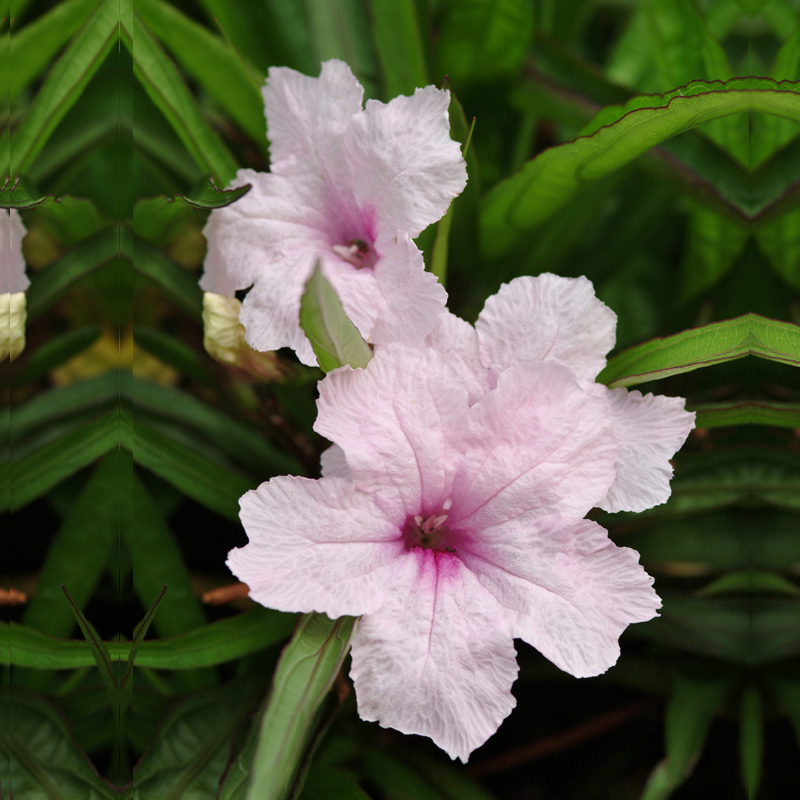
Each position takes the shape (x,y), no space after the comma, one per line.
(396,421)
(437,658)
(403,163)
(12,265)
(546,318)
(333,464)
(538,442)
(411,299)
(306,118)
(457,341)
(650,430)
(569,589)
(317,546)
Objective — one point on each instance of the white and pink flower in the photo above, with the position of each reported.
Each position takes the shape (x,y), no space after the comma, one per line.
(451,523)
(350,187)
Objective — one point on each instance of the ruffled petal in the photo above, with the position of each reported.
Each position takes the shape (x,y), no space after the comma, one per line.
(569,590)
(437,658)
(12,265)
(317,546)
(306,118)
(539,442)
(333,464)
(457,341)
(546,318)
(650,430)
(411,299)
(403,164)
(397,421)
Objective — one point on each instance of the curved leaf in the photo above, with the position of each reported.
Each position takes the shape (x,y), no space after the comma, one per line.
(614,138)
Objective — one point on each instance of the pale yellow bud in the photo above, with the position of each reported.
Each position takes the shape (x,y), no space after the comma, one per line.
(223,338)
(12,325)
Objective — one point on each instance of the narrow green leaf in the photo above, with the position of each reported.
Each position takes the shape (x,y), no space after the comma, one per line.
(79,552)
(156,561)
(328,783)
(396,779)
(715,343)
(73,218)
(50,284)
(208,483)
(107,668)
(719,415)
(614,138)
(34,46)
(751,739)
(335,339)
(207,196)
(213,63)
(398,42)
(55,404)
(140,631)
(40,755)
(302,680)
(166,88)
(173,352)
(483,39)
(240,441)
(176,282)
(216,643)
(55,352)
(37,473)
(63,86)
(694,702)
(750,580)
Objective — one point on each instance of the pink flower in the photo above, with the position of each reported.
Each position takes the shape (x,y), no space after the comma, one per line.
(349,186)
(550,319)
(451,527)
(12,264)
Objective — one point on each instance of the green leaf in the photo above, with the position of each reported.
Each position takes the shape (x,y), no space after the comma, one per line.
(614,138)
(63,86)
(19,193)
(156,561)
(213,63)
(55,404)
(204,481)
(395,779)
(328,783)
(779,240)
(177,283)
(80,550)
(695,701)
(715,343)
(751,739)
(216,643)
(335,339)
(55,352)
(194,744)
(73,218)
(302,680)
(453,784)
(108,668)
(749,580)
(166,88)
(483,39)
(40,471)
(34,46)
(50,284)
(719,415)
(174,352)
(40,755)
(398,42)
(339,29)
(242,442)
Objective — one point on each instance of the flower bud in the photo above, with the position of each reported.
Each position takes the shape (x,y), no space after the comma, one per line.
(12,325)
(224,341)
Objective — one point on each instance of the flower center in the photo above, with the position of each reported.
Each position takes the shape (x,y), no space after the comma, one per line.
(357,252)
(429,533)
